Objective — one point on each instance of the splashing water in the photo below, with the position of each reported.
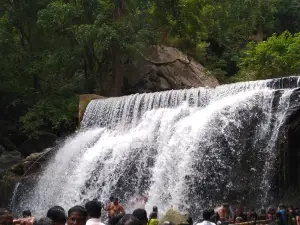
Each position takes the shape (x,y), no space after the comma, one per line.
(186,149)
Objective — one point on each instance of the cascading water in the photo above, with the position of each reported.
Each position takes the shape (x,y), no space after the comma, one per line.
(186,149)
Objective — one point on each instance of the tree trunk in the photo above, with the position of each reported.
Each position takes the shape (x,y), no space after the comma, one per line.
(117,82)
(117,76)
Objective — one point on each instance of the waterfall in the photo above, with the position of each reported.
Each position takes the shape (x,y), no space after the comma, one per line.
(186,149)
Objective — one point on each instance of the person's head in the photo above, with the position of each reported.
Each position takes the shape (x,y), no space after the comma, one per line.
(206,215)
(211,212)
(281,206)
(57,215)
(115,219)
(6,217)
(111,198)
(116,201)
(77,215)
(153,215)
(93,209)
(129,220)
(45,221)
(141,214)
(26,213)
(155,209)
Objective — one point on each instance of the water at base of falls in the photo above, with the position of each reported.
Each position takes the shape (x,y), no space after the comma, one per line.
(186,149)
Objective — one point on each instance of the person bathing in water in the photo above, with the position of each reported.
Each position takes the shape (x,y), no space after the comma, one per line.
(113,209)
(26,220)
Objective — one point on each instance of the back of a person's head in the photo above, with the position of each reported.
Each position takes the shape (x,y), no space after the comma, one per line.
(129,220)
(93,209)
(141,214)
(45,221)
(77,209)
(155,209)
(211,212)
(281,206)
(57,215)
(26,213)
(206,215)
(115,219)
(111,198)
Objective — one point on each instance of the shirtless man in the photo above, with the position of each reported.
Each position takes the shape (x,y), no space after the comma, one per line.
(113,209)
(26,220)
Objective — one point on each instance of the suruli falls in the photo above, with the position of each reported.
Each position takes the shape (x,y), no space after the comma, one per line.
(186,149)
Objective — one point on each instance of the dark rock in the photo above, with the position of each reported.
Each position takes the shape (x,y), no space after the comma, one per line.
(8,159)
(32,145)
(7,144)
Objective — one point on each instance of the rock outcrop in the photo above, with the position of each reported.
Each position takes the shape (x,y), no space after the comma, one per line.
(16,169)
(84,101)
(165,68)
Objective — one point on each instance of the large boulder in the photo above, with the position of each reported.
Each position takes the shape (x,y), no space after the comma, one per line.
(166,68)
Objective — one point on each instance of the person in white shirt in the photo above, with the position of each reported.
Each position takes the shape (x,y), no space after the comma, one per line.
(206,218)
(93,209)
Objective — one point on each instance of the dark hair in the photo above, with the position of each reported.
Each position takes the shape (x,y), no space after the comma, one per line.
(78,209)
(115,219)
(93,209)
(206,215)
(45,221)
(111,198)
(116,199)
(129,220)
(189,220)
(57,214)
(141,214)
(155,209)
(26,213)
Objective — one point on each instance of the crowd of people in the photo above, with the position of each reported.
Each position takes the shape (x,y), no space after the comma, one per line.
(90,214)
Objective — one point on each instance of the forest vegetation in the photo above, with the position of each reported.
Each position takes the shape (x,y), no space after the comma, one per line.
(51,51)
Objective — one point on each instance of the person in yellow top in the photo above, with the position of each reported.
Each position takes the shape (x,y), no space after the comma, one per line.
(153,219)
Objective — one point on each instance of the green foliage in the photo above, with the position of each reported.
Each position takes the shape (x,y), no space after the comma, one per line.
(277,56)
(52,50)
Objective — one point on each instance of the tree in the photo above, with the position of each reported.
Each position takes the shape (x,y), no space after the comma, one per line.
(277,56)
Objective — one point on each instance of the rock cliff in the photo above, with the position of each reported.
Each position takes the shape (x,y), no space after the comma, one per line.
(165,68)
